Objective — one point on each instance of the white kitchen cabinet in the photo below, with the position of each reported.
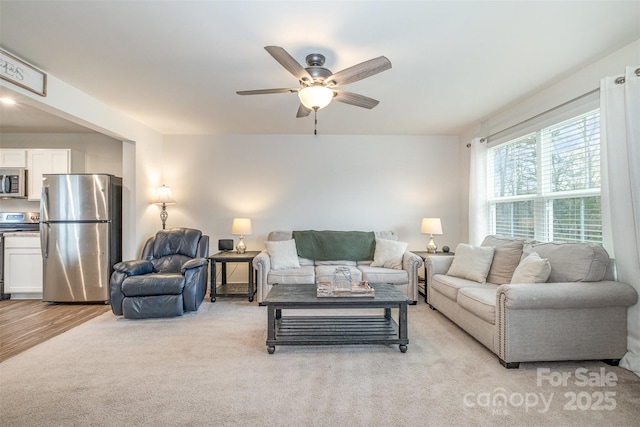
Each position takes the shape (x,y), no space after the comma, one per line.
(44,161)
(23,265)
(13,158)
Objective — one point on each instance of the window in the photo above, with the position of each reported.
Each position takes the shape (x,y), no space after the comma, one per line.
(546,184)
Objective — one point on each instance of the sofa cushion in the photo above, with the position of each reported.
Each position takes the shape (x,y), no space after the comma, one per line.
(479,301)
(292,276)
(387,235)
(471,262)
(169,263)
(506,258)
(283,254)
(384,275)
(324,273)
(305,261)
(336,262)
(388,254)
(532,269)
(450,285)
(279,235)
(572,262)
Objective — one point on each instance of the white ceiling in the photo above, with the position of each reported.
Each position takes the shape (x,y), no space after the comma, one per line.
(176,65)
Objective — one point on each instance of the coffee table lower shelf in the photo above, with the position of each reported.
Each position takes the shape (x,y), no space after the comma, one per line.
(335,330)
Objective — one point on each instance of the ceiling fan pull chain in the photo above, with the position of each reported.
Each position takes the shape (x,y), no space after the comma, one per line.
(315,119)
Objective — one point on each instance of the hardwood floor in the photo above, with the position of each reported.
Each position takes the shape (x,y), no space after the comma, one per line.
(26,323)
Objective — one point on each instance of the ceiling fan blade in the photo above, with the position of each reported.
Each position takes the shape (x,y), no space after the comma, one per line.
(265,91)
(303,111)
(359,71)
(289,63)
(355,99)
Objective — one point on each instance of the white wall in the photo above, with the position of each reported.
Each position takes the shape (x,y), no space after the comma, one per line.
(313,182)
(578,83)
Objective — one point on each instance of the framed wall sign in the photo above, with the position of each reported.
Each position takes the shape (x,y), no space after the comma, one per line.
(18,72)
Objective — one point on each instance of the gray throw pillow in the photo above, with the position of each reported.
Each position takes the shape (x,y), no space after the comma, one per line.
(508,252)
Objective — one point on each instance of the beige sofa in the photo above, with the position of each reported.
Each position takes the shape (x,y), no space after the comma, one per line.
(578,313)
(404,275)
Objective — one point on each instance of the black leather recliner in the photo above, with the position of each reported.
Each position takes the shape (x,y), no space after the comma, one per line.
(171,277)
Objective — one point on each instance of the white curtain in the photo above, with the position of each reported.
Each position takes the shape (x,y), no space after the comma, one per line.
(620,142)
(478,213)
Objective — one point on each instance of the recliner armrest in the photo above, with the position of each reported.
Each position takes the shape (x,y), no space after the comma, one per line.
(193,263)
(135,267)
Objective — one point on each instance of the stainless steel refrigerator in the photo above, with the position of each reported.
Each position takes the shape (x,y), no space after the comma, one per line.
(80,234)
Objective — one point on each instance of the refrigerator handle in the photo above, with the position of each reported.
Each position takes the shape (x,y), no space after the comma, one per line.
(2,184)
(44,227)
(44,239)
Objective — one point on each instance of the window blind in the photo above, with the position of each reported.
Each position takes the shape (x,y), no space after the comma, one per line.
(546,184)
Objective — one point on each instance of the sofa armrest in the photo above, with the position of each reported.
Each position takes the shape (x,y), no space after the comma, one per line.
(134,268)
(262,261)
(262,265)
(436,265)
(562,321)
(411,263)
(565,295)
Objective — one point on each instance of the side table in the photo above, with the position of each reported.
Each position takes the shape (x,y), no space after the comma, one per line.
(423,289)
(235,288)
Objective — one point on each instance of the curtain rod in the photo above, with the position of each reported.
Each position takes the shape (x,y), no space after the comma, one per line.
(541,114)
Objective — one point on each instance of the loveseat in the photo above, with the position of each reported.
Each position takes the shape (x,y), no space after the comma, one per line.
(309,256)
(534,301)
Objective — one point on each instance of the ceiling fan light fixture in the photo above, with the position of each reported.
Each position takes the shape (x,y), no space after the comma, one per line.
(315,97)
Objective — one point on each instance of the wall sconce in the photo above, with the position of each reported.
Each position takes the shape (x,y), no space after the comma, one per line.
(431,226)
(164,198)
(241,226)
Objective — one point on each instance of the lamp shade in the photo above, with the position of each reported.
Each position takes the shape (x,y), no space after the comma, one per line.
(431,226)
(241,226)
(164,196)
(315,97)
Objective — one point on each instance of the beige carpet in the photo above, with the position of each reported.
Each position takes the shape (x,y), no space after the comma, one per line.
(212,368)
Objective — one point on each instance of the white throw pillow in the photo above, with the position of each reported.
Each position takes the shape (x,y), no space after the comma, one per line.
(389,253)
(471,262)
(283,254)
(532,269)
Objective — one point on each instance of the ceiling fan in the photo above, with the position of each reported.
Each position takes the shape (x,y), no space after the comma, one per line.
(317,84)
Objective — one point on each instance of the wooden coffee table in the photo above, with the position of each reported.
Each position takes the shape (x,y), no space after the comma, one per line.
(335,329)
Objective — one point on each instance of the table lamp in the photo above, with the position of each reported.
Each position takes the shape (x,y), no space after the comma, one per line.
(431,226)
(241,226)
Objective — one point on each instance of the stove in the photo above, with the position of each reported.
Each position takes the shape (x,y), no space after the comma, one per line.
(12,222)
(19,221)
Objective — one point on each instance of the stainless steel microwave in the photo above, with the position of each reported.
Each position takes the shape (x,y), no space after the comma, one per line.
(13,183)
